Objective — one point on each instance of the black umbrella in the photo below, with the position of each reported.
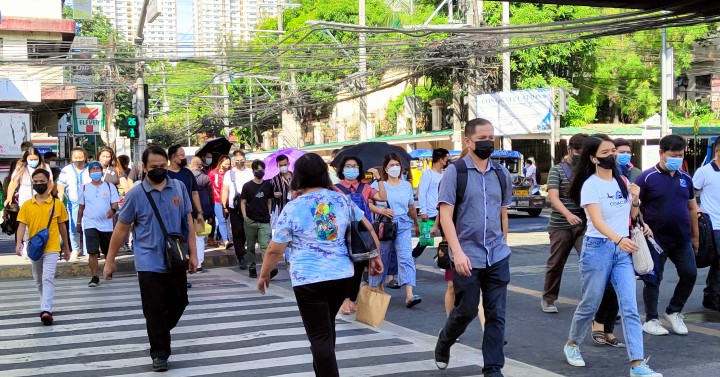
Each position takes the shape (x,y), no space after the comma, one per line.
(218,145)
(372,154)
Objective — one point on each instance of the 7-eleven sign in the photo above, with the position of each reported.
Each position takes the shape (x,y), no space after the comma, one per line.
(88,118)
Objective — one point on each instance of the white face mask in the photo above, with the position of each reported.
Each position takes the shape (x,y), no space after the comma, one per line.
(283,169)
(394,171)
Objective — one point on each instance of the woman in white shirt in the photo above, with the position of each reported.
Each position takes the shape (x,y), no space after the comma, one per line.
(21,177)
(609,202)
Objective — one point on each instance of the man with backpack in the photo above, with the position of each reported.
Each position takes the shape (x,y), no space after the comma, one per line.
(428,191)
(475,194)
(567,223)
(233,183)
(707,184)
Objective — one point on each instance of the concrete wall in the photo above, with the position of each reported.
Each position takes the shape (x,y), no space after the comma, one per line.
(32,8)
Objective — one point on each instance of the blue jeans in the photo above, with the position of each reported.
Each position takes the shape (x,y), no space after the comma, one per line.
(75,237)
(683,256)
(401,247)
(492,282)
(221,222)
(601,260)
(713,278)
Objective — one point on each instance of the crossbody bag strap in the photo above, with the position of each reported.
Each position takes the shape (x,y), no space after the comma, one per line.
(157,213)
(52,214)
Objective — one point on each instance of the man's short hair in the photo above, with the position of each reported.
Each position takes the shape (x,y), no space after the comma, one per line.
(238,152)
(620,142)
(153,149)
(281,158)
(438,154)
(674,143)
(576,141)
(475,123)
(49,155)
(26,144)
(257,164)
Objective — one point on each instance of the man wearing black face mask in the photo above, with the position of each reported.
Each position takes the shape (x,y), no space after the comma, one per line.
(475,194)
(163,292)
(255,205)
(178,170)
(567,223)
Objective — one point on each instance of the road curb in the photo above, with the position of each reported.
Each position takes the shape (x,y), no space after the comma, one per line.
(125,265)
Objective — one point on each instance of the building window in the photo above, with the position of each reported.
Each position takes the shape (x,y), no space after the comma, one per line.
(702,82)
(43,49)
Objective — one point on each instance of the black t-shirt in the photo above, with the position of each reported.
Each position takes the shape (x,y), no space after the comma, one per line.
(185,176)
(256,200)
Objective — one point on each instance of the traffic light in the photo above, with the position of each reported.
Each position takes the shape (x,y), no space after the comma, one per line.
(132,126)
(563,102)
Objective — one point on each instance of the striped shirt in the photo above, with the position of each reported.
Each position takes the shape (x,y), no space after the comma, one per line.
(558,180)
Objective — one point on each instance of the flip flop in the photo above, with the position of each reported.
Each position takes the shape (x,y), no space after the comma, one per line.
(393,284)
(416,299)
(599,337)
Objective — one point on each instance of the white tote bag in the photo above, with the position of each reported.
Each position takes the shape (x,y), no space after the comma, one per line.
(642,260)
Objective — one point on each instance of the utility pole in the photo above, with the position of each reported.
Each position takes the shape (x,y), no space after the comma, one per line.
(362,71)
(187,118)
(140,109)
(664,85)
(280,8)
(252,116)
(506,45)
(166,105)
(110,130)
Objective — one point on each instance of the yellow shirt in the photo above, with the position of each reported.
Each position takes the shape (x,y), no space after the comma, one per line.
(36,214)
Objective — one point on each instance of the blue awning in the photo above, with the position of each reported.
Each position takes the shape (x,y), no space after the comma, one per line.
(501,153)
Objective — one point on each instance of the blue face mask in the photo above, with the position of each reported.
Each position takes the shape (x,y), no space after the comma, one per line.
(673,163)
(96,176)
(33,163)
(623,159)
(208,161)
(351,173)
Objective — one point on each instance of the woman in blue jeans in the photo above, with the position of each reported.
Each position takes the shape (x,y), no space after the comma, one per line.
(400,207)
(609,202)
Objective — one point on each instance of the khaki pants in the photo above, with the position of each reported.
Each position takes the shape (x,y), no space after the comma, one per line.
(562,242)
(256,233)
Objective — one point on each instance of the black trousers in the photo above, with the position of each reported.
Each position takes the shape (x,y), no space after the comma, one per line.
(356,280)
(319,304)
(492,282)
(608,310)
(164,298)
(237,224)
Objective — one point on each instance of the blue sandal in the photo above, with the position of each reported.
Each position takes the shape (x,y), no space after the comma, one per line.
(416,299)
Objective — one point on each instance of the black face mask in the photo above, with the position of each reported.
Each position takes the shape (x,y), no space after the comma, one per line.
(484,148)
(40,188)
(183,163)
(157,175)
(575,158)
(606,162)
(259,174)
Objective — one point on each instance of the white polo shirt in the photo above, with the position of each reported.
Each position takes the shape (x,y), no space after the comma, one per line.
(241,178)
(97,201)
(707,181)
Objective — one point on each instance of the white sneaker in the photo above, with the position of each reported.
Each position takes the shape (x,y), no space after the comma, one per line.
(653,327)
(73,256)
(678,325)
(548,308)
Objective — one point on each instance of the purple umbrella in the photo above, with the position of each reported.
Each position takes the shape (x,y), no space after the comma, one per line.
(271,169)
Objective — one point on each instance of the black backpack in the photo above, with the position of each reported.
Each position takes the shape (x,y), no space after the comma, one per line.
(707,253)
(462,180)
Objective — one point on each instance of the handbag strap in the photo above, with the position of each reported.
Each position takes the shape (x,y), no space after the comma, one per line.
(52,214)
(155,209)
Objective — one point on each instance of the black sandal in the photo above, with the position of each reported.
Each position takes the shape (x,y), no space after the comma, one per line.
(599,337)
(614,343)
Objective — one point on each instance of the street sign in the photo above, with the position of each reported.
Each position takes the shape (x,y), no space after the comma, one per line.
(88,118)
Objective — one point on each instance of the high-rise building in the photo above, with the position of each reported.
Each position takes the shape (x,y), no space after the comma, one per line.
(161,35)
(230,21)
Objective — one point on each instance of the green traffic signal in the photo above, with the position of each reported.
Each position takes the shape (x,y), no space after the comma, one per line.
(132,121)
(132,133)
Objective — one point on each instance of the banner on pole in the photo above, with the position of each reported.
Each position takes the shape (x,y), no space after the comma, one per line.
(88,118)
(14,129)
(518,112)
(82,9)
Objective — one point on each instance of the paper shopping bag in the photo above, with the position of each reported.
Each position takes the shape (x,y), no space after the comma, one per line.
(372,306)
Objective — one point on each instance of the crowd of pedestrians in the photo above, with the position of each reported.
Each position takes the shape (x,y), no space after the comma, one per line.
(302,215)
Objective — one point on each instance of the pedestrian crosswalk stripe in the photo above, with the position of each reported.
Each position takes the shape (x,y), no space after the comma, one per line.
(227,330)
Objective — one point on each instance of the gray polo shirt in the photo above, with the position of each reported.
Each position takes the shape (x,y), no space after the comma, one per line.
(478,225)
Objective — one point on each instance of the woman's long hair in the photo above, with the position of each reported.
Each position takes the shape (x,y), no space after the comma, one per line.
(220,161)
(585,167)
(22,164)
(113,160)
(310,171)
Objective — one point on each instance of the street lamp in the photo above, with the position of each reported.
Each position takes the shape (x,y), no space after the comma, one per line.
(683,82)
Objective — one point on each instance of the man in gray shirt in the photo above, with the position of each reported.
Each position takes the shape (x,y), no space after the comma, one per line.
(475,227)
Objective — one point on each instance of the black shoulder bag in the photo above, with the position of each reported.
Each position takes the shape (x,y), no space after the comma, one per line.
(176,246)
(361,245)
(384,226)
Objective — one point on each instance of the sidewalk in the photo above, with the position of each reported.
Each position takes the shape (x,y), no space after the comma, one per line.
(14,267)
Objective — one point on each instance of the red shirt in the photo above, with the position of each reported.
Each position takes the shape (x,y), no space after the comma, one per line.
(367,192)
(216,178)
